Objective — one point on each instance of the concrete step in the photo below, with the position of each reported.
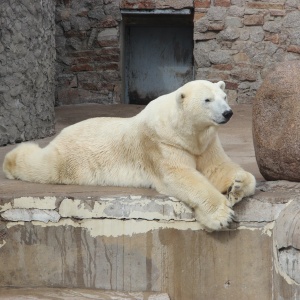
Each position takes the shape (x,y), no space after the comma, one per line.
(9,293)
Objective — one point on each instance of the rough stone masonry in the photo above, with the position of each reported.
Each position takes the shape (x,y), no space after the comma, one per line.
(238,41)
(27,56)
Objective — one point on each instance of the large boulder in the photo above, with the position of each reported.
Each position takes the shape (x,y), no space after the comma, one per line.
(276,123)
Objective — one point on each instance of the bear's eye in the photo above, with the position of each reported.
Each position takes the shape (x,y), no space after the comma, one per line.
(207,100)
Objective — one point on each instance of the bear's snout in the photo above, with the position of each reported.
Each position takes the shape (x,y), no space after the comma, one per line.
(227,114)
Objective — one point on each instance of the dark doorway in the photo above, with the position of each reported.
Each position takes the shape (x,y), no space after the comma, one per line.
(158,55)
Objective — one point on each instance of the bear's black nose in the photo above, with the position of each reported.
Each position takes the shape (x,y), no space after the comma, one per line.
(227,114)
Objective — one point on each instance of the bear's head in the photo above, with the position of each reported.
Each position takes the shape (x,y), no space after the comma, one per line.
(204,102)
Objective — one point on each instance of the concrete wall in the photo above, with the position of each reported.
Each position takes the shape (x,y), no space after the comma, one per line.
(27,56)
(152,243)
(237,41)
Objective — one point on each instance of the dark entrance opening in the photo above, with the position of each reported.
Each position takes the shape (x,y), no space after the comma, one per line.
(158,55)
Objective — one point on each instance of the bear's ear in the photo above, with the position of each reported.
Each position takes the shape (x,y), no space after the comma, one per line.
(180,97)
(221,85)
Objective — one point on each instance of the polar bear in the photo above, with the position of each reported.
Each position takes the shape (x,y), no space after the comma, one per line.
(172,145)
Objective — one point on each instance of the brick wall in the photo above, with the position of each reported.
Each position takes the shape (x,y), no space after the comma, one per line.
(237,41)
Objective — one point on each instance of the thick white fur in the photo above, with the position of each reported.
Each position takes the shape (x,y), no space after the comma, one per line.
(172,146)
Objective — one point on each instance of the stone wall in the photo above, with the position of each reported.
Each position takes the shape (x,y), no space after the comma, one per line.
(88,51)
(237,41)
(27,56)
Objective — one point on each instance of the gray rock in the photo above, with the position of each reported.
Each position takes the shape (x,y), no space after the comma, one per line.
(229,34)
(256,34)
(236,11)
(294,34)
(292,20)
(216,13)
(220,57)
(97,13)
(272,26)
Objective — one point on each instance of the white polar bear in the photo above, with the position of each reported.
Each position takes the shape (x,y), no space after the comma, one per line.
(172,146)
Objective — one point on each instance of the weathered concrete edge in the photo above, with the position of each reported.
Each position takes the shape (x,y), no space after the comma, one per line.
(253,212)
(63,293)
(256,212)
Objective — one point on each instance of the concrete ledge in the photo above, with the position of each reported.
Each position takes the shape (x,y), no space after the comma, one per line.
(76,294)
(256,211)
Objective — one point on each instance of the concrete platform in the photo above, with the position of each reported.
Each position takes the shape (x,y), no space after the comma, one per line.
(136,240)
(236,137)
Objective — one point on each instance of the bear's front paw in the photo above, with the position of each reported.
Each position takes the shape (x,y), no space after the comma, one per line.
(217,220)
(242,186)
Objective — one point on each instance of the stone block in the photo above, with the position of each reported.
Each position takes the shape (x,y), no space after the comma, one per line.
(216,26)
(201,25)
(293,48)
(277,12)
(109,21)
(198,16)
(82,68)
(291,20)
(294,36)
(108,33)
(224,67)
(202,3)
(231,86)
(234,22)
(241,57)
(244,74)
(134,4)
(276,123)
(97,13)
(236,11)
(216,13)
(253,20)
(257,34)
(229,34)
(238,2)
(220,57)
(204,36)
(264,5)
(224,3)
(272,27)
(274,38)
(202,60)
